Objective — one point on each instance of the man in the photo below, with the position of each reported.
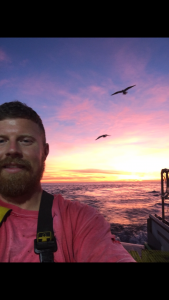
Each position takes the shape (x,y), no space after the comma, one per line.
(82,234)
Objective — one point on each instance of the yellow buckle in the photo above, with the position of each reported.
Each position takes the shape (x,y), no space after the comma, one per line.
(44,236)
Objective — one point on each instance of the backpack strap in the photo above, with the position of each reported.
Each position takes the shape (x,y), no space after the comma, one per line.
(45,243)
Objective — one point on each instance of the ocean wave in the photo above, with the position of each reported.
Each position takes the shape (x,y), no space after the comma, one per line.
(136,234)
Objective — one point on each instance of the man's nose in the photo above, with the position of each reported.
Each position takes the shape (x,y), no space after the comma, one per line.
(13,148)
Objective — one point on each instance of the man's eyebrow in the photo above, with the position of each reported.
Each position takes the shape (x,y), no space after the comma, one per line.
(20,136)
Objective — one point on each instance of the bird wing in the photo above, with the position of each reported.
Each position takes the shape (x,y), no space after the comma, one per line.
(99,137)
(129,87)
(116,93)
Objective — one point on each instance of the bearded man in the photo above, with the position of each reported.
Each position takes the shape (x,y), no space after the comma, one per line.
(81,232)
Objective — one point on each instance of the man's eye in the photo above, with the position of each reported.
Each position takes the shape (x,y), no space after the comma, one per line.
(27,141)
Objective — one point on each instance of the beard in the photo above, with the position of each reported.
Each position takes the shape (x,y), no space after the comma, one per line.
(22,183)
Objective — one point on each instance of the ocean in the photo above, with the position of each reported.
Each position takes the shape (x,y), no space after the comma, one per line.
(125,205)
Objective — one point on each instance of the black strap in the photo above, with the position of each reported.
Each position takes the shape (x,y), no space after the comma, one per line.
(45,243)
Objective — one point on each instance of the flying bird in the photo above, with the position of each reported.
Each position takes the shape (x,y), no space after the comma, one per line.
(124,91)
(104,135)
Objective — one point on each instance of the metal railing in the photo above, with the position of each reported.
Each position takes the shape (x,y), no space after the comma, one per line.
(164,189)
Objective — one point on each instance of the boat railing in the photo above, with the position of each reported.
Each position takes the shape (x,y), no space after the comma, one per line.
(164,189)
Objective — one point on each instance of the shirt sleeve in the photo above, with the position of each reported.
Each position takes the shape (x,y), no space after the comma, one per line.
(93,241)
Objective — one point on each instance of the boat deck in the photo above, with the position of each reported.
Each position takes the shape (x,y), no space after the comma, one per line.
(142,254)
(133,247)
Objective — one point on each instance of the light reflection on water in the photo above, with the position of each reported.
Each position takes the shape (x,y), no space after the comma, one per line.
(126,206)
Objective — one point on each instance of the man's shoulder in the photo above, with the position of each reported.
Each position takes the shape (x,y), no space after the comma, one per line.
(72,206)
(79,216)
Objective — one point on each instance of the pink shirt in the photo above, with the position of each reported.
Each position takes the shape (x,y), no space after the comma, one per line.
(82,235)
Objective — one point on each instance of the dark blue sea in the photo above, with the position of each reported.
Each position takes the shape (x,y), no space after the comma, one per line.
(125,205)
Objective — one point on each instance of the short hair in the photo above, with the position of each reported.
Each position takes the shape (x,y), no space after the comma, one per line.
(19,110)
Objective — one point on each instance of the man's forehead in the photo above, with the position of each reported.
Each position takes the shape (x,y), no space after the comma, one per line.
(12,122)
(12,125)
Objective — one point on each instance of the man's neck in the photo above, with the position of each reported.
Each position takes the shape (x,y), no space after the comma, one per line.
(28,201)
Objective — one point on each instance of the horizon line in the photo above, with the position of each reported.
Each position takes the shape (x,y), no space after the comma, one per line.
(128,180)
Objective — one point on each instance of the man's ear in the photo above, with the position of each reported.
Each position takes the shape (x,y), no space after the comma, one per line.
(46,150)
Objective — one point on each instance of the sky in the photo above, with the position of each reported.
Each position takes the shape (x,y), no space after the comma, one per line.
(69,82)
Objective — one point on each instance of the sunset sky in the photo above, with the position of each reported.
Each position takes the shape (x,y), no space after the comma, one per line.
(69,82)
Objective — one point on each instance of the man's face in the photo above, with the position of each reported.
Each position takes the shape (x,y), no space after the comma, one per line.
(21,145)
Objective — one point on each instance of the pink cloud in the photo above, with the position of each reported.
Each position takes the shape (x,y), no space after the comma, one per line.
(97,90)
(122,126)
(4,82)
(24,62)
(157,94)
(130,64)
(126,116)
(33,86)
(3,56)
(74,75)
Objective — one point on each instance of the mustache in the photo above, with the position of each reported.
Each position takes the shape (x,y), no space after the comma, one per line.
(21,163)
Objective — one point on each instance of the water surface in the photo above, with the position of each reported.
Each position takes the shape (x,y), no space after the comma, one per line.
(125,205)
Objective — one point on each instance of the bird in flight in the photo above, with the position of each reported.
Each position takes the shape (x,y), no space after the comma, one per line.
(124,91)
(104,135)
